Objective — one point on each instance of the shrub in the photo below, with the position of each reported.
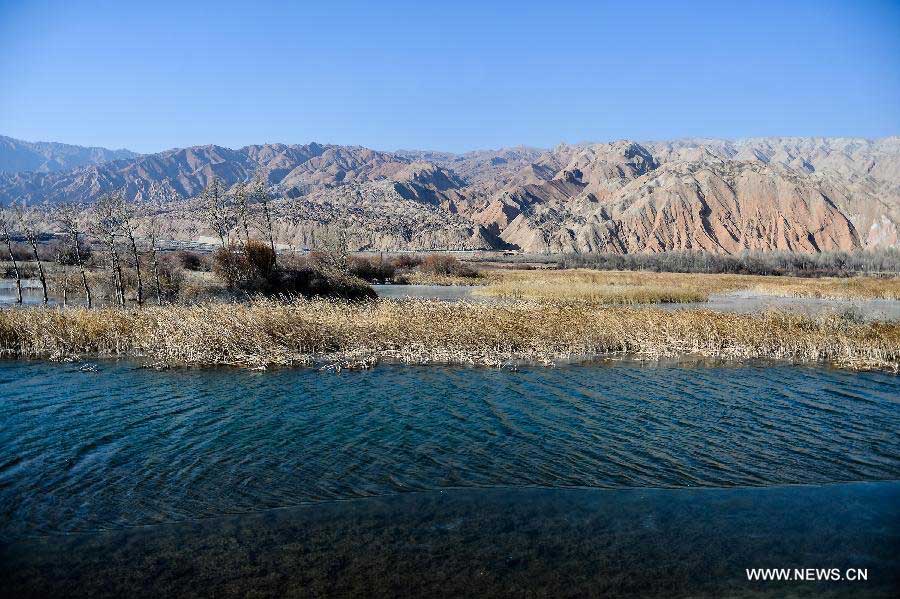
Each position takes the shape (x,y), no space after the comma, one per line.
(407,261)
(373,270)
(192,261)
(441,264)
(310,281)
(834,264)
(20,251)
(251,269)
(171,277)
(260,258)
(246,268)
(65,253)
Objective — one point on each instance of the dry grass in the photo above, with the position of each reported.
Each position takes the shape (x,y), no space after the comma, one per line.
(270,333)
(418,277)
(630,287)
(599,287)
(844,288)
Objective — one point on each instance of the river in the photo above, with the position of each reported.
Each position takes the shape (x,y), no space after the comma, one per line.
(570,481)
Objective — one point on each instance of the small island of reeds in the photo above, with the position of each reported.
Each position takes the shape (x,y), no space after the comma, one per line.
(264,333)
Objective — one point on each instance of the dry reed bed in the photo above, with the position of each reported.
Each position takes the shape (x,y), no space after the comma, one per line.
(418,277)
(271,333)
(629,287)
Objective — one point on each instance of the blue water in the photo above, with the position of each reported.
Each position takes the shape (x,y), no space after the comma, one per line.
(125,445)
(467,465)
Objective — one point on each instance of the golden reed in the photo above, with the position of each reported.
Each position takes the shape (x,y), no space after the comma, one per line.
(264,333)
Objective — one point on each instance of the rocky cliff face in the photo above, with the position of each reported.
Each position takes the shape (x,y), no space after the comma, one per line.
(765,194)
(722,196)
(721,207)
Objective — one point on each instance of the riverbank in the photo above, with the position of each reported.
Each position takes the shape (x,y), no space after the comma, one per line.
(265,333)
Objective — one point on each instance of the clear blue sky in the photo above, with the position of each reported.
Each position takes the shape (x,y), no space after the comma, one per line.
(444,75)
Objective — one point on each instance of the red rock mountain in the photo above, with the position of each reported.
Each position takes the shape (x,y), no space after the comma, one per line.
(802,194)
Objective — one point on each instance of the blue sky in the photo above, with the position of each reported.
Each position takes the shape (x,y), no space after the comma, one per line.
(444,75)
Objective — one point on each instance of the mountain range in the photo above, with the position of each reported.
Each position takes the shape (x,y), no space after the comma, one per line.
(723,196)
(46,157)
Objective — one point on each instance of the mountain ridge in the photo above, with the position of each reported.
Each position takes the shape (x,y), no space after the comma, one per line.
(725,196)
(17,155)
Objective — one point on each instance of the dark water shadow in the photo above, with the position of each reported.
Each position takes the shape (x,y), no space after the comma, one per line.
(490,543)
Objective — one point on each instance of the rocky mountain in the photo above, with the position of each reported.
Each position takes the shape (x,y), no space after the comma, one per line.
(46,157)
(721,196)
(802,194)
(294,169)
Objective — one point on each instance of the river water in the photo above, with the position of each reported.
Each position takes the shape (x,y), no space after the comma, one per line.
(570,481)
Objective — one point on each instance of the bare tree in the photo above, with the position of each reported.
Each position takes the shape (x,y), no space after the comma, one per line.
(332,248)
(218,209)
(108,228)
(29,220)
(7,226)
(159,198)
(71,217)
(242,209)
(127,218)
(260,199)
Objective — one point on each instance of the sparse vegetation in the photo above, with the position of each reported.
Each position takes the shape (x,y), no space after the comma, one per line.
(834,264)
(433,269)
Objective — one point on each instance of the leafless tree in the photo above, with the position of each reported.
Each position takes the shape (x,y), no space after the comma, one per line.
(332,248)
(262,201)
(218,209)
(158,198)
(7,226)
(108,228)
(30,219)
(242,209)
(70,217)
(127,219)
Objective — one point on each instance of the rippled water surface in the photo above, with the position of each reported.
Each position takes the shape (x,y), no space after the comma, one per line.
(123,445)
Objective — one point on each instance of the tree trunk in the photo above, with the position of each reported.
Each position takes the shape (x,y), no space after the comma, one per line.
(271,235)
(40,266)
(121,281)
(137,267)
(117,274)
(156,272)
(84,282)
